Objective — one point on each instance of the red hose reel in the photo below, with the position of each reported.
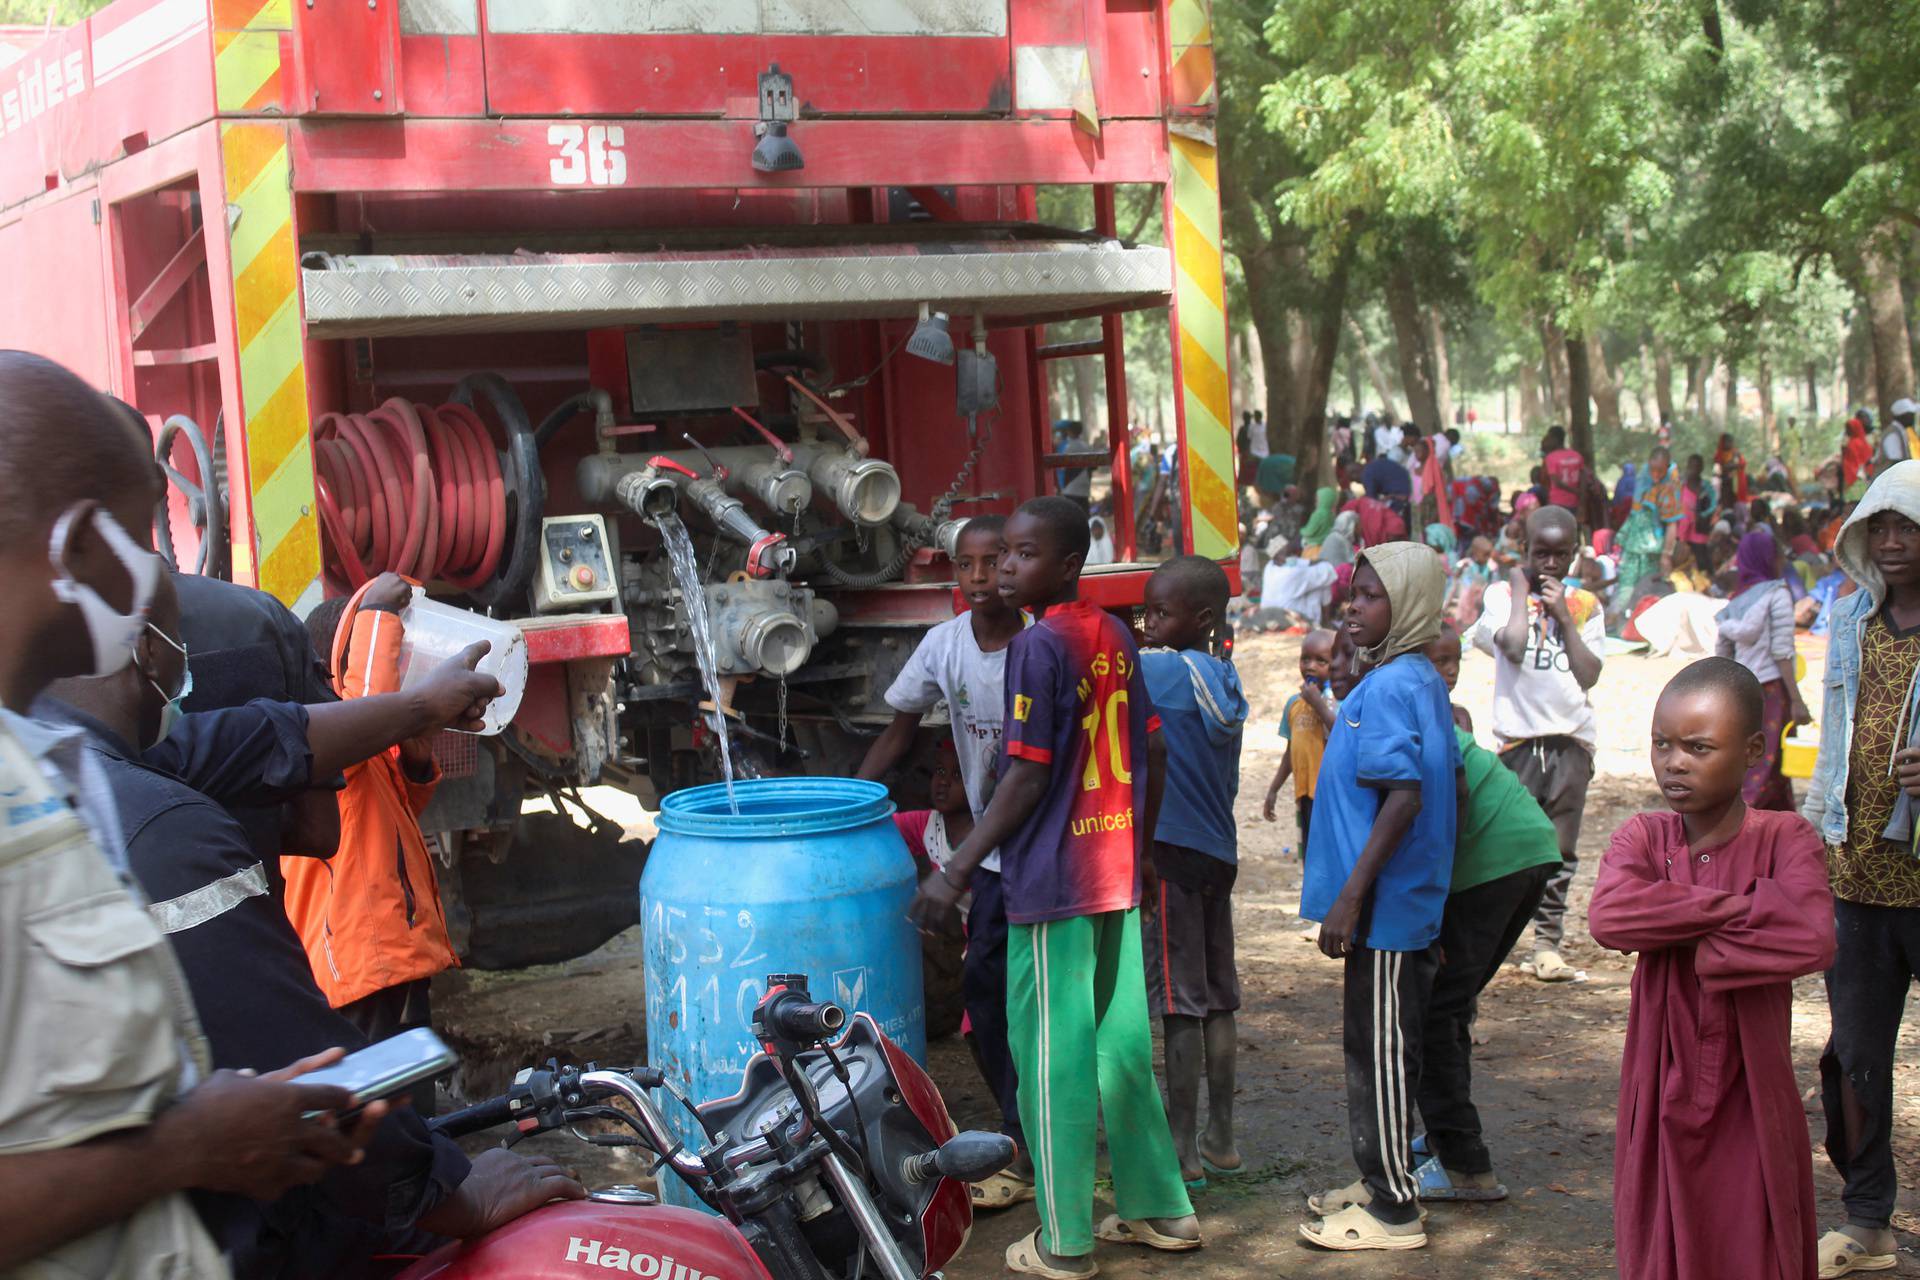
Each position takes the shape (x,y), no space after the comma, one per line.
(413,489)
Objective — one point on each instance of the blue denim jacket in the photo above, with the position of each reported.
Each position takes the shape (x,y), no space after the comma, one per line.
(1825,807)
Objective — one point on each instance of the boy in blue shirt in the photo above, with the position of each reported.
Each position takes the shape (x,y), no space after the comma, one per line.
(1378,866)
(1082,769)
(1192,986)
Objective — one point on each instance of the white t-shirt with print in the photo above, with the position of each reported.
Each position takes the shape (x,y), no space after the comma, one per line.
(1538,697)
(949,666)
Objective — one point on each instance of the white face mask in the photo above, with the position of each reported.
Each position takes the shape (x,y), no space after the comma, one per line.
(171,710)
(113,633)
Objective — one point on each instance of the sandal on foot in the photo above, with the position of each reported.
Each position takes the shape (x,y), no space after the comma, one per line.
(1437,1184)
(1214,1166)
(1002,1191)
(1328,1203)
(1842,1255)
(1356,1228)
(1549,967)
(1195,1186)
(1115,1229)
(1024,1257)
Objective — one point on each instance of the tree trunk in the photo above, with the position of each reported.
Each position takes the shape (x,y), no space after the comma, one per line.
(1645,389)
(1812,407)
(1730,414)
(1273,324)
(1769,427)
(1442,374)
(1410,348)
(1316,382)
(1663,382)
(1887,315)
(1606,387)
(1579,397)
(1531,416)
(1354,391)
(1086,394)
(1300,364)
(1857,357)
(1553,348)
(1696,374)
(1375,373)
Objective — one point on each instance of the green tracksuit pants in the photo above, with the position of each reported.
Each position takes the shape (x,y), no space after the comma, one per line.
(1076,991)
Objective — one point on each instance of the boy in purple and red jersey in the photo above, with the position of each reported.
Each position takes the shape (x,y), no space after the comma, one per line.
(1078,794)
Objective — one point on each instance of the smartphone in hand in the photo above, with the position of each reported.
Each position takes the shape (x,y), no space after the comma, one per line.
(393,1066)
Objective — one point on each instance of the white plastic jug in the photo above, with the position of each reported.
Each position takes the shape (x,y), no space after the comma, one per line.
(436,632)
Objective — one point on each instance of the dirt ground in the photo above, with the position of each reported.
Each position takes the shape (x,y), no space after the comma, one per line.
(1545,1080)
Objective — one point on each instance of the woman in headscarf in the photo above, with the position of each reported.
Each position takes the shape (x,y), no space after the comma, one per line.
(1338,551)
(1856,459)
(1435,503)
(1756,630)
(1731,466)
(1648,535)
(1336,548)
(1378,522)
(1623,495)
(1320,523)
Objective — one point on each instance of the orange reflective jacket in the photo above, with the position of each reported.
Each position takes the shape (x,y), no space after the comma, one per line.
(370,916)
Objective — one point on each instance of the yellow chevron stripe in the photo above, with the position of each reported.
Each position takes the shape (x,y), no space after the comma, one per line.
(1202,268)
(273,381)
(1190,32)
(268,280)
(293,570)
(278,501)
(1200,301)
(1189,22)
(243,63)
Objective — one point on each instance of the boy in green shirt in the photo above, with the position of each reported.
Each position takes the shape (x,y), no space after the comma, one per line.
(1504,854)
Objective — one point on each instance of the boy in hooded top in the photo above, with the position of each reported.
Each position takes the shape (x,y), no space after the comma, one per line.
(1861,799)
(1378,865)
(1726,906)
(1192,985)
(1082,770)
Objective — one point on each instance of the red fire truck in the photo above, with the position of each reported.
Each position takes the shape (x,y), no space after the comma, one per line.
(500,294)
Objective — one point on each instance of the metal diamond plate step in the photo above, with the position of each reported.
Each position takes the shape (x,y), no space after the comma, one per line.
(374,296)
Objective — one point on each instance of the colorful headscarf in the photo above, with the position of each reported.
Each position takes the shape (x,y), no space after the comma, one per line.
(1441,538)
(1758,558)
(1320,523)
(1661,495)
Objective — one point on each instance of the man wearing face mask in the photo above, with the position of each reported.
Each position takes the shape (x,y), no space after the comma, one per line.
(251,979)
(109,1109)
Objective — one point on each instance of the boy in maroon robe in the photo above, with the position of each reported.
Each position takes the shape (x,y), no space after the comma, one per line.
(1713,1172)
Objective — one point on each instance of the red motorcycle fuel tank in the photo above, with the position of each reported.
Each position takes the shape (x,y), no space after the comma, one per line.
(576,1239)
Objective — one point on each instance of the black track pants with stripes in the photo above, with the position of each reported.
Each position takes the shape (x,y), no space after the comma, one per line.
(1386,1010)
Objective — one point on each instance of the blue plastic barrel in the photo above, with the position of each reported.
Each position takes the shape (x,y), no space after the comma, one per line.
(810,877)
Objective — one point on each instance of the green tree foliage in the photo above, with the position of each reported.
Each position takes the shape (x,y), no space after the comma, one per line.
(38,13)
(1727,182)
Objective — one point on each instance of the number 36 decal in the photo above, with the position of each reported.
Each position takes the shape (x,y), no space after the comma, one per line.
(588,155)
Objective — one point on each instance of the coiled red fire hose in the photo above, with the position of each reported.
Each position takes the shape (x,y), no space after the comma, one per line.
(412,489)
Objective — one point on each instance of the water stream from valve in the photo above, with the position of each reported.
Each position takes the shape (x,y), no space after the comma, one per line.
(686,576)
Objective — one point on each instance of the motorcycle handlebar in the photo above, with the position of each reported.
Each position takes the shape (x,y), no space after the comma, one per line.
(806,1021)
(481,1115)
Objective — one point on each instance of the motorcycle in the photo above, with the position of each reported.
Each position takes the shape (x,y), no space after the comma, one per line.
(836,1160)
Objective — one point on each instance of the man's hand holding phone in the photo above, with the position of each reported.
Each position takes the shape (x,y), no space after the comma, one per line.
(261,1135)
